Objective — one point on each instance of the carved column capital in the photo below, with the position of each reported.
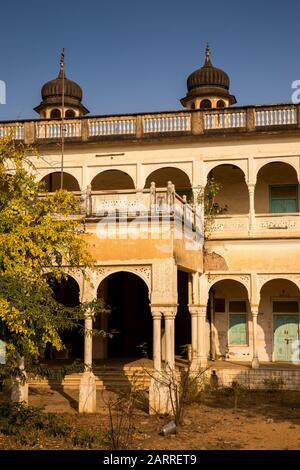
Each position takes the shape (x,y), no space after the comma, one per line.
(198,310)
(156,314)
(170,314)
(251,187)
(254,310)
(168,310)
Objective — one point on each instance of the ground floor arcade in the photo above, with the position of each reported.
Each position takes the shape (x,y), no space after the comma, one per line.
(231,317)
(159,312)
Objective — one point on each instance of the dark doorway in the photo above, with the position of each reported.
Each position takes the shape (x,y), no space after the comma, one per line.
(183,317)
(66,292)
(127,295)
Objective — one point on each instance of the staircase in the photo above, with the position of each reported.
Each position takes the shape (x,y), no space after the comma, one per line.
(106,379)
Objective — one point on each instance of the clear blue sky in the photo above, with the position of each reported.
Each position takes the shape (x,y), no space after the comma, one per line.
(135,55)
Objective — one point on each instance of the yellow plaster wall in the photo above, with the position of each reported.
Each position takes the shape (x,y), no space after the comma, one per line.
(259,256)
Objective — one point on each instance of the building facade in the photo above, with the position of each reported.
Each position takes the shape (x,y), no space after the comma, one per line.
(235,295)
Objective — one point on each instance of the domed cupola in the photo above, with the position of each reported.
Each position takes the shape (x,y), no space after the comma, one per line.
(208,87)
(52,97)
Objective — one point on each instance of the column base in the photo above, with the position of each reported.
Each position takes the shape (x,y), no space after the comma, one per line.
(202,362)
(255,363)
(19,392)
(87,393)
(194,365)
(160,395)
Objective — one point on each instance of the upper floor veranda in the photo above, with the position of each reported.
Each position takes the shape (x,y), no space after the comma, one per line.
(253,152)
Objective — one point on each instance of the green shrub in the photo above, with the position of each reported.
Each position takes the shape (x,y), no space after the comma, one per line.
(83,438)
(17,418)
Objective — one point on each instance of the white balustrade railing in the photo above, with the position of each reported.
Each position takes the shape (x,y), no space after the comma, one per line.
(279,116)
(167,123)
(157,123)
(53,130)
(107,126)
(224,120)
(15,131)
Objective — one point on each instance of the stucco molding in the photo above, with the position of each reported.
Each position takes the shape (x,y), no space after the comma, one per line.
(244,279)
(143,271)
(264,278)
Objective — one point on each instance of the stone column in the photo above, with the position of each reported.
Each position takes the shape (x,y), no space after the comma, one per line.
(202,356)
(194,320)
(162,381)
(88,343)
(251,188)
(212,327)
(87,391)
(170,340)
(255,361)
(19,389)
(156,316)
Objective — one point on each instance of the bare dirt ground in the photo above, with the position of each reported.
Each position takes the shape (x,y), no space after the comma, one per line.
(262,420)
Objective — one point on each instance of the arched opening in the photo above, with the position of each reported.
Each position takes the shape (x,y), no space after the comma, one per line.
(178,177)
(205,104)
(112,180)
(53,182)
(234,194)
(130,317)
(230,321)
(70,113)
(276,189)
(278,335)
(183,317)
(220,104)
(66,292)
(55,114)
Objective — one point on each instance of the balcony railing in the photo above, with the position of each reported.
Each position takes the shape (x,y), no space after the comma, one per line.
(263,225)
(277,222)
(154,203)
(224,119)
(195,122)
(230,224)
(165,204)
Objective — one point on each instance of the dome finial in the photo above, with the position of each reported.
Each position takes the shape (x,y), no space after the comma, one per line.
(207,55)
(62,64)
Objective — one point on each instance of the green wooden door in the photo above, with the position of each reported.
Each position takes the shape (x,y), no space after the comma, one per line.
(286,335)
(237,329)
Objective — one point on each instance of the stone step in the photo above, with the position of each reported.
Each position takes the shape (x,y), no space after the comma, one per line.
(105,380)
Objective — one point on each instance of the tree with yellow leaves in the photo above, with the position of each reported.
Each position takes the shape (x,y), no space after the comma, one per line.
(38,235)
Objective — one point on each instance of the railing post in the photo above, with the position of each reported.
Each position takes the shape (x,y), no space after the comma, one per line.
(156,317)
(84,129)
(139,127)
(250,119)
(298,115)
(197,122)
(29,132)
